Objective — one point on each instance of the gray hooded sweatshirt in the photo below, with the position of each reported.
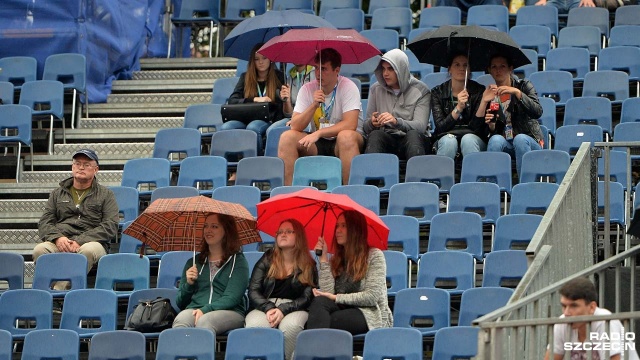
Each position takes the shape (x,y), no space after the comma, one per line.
(412,105)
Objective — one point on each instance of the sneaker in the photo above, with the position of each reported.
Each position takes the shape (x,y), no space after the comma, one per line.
(57,308)
(442,205)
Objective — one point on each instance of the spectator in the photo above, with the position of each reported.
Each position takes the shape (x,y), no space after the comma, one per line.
(331,106)
(280,289)
(565,5)
(397,118)
(513,125)
(353,286)
(211,292)
(578,298)
(81,216)
(260,83)
(453,103)
(299,75)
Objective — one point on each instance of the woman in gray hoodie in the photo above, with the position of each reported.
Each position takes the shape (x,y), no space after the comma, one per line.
(397,118)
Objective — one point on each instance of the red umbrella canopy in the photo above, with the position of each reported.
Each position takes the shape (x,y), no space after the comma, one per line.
(318,212)
(300,46)
(177,224)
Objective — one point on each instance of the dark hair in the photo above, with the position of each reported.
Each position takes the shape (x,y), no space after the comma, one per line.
(455,55)
(331,56)
(580,288)
(353,256)
(506,58)
(230,243)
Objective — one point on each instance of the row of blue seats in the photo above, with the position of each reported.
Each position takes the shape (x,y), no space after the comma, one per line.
(263,343)
(101,305)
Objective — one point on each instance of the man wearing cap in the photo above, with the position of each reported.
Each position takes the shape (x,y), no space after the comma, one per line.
(81,216)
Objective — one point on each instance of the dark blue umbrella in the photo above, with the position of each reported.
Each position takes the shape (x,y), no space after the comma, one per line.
(261,28)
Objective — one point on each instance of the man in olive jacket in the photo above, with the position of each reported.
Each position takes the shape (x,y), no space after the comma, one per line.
(81,216)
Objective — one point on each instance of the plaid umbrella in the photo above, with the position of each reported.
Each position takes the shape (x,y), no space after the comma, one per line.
(177,224)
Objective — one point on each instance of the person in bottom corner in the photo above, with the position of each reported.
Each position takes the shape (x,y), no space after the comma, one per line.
(211,291)
(578,298)
(353,290)
(280,289)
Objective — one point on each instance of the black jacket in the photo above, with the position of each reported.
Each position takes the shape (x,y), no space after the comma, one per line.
(261,287)
(524,112)
(275,107)
(442,106)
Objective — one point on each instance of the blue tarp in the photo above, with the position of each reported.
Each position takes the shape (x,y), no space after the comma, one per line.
(112,34)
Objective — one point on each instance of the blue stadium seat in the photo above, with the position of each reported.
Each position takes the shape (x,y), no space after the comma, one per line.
(324,343)
(205,173)
(460,231)
(503,267)
(455,343)
(432,306)
(51,344)
(190,343)
(532,197)
(453,271)
(548,165)
(393,343)
(515,231)
(478,302)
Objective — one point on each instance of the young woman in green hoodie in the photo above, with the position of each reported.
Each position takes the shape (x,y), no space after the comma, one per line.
(211,290)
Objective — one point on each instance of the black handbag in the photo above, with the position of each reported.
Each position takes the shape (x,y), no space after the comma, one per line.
(151,316)
(246,112)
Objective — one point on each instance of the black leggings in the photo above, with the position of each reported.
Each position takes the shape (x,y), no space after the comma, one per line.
(325,313)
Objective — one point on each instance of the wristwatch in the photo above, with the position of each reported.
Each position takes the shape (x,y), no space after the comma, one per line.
(455,110)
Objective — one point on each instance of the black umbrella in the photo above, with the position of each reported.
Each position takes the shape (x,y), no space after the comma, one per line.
(479,44)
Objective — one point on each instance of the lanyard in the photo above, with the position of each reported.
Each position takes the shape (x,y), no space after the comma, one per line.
(261,93)
(326,109)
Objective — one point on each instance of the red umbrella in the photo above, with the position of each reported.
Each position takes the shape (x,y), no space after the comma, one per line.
(300,46)
(318,212)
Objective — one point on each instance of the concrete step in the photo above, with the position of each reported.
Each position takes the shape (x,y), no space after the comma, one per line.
(188,63)
(119,124)
(20,241)
(45,181)
(160,99)
(180,75)
(109,135)
(164,85)
(21,210)
(130,150)
(142,109)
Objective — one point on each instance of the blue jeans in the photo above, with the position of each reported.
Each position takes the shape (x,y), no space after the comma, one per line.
(521,145)
(257,126)
(563,5)
(470,143)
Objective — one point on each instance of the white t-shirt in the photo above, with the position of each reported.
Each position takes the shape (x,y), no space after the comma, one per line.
(563,333)
(347,98)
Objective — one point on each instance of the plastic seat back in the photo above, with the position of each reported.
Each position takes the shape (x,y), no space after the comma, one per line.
(438,16)
(453,271)
(151,172)
(460,231)
(173,192)
(222,89)
(235,144)
(515,231)
(190,343)
(394,343)
(611,84)
(491,15)
(436,169)
(69,68)
(170,270)
(12,270)
(397,271)
(247,196)
(264,172)
(456,343)
(404,231)
(32,305)
(51,344)
(120,269)
(504,268)
(323,172)
(377,169)
(312,344)
(555,84)
(54,267)
(539,15)
(418,199)
(365,195)
(424,309)
(532,197)
(240,344)
(546,164)
(90,304)
(572,59)
(479,197)
(128,203)
(18,70)
(205,173)
(587,37)
(176,144)
(347,18)
(119,344)
(478,302)
(6,92)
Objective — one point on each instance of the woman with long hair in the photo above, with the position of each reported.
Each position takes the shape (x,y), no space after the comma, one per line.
(211,292)
(353,286)
(280,289)
(260,83)
(453,104)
